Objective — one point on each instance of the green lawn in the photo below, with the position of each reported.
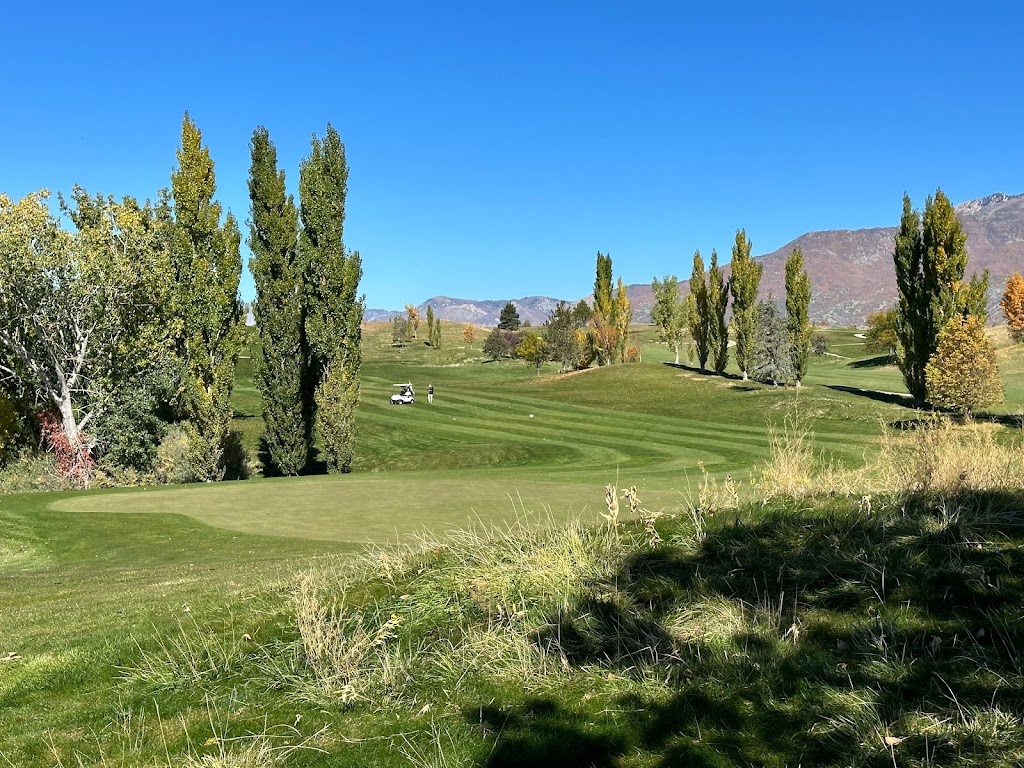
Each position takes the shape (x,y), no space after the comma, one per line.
(97,582)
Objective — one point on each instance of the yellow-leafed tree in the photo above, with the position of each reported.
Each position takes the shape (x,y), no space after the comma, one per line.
(963,374)
(1012,305)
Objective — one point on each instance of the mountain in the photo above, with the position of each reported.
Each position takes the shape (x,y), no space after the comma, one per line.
(852,272)
(532,309)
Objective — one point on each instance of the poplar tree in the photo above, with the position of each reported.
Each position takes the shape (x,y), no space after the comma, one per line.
(700,315)
(208,333)
(669,312)
(605,327)
(746,277)
(623,314)
(798,307)
(930,257)
(280,365)
(334,308)
(430,325)
(718,301)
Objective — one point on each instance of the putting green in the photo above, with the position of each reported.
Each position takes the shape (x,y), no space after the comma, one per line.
(369,508)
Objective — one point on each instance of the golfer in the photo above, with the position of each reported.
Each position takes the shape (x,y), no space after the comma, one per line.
(430,393)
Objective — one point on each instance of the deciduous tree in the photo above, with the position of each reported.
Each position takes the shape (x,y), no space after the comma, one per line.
(334,308)
(930,257)
(718,302)
(208,331)
(280,366)
(700,312)
(669,313)
(881,334)
(623,317)
(469,334)
(746,277)
(565,337)
(1012,304)
(963,374)
(414,318)
(533,350)
(79,312)
(798,309)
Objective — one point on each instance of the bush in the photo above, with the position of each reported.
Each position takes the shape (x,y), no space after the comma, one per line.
(31,472)
(9,429)
(128,433)
(172,457)
(819,344)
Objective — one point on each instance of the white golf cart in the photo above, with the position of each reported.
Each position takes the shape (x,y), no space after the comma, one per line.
(402,394)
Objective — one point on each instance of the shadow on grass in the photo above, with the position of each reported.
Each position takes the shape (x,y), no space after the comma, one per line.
(799,638)
(874,362)
(704,372)
(892,398)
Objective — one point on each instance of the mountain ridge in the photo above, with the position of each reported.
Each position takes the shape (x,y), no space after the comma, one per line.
(851,270)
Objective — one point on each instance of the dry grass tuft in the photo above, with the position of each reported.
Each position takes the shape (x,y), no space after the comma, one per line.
(938,457)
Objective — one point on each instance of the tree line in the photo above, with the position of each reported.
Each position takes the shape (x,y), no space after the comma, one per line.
(935,332)
(119,337)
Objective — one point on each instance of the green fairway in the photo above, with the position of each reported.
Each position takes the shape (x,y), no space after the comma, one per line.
(96,582)
(499,438)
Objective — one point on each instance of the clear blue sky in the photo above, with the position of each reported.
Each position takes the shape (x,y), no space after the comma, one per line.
(495,147)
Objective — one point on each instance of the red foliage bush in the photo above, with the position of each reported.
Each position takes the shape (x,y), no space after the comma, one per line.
(74,463)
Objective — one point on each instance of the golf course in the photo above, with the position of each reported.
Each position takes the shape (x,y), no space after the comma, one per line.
(197,625)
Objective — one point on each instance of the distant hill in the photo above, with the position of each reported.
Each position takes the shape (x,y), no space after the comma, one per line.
(851,271)
(534,309)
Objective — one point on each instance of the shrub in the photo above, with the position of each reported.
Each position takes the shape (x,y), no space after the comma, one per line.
(819,344)
(172,457)
(31,472)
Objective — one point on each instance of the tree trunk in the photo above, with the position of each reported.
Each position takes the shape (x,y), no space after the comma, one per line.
(744,375)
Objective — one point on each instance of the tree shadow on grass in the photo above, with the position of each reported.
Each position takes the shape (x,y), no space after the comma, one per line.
(799,638)
(874,362)
(704,372)
(892,398)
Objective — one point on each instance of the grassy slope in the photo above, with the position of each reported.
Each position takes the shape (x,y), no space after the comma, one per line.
(119,573)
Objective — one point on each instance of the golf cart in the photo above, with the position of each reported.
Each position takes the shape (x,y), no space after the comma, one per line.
(402,394)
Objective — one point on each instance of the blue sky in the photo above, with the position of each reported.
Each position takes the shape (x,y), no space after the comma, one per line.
(494,148)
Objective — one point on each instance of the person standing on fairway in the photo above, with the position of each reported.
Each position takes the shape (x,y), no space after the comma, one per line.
(430,393)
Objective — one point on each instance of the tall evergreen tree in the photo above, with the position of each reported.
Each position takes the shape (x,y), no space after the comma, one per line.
(279,366)
(718,302)
(746,277)
(209,331)
(930,257)
(700,316)
(798,308)
(334,308)
(508,319)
